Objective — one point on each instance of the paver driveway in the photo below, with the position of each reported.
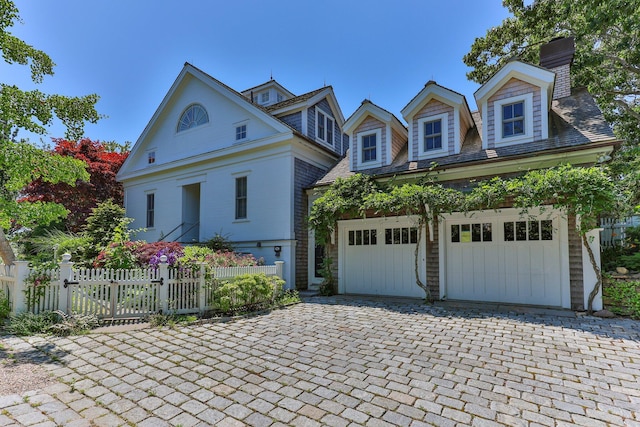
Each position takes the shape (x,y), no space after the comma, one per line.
(345,361)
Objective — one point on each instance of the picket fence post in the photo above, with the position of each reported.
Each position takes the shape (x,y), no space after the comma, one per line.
(19,299)
(202,296)
(163,294)
(280,269)
(65,273)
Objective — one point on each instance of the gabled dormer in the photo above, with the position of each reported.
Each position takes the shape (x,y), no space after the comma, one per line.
(514,104)
(268,93)
(438,119)
(376,136)
(317,115)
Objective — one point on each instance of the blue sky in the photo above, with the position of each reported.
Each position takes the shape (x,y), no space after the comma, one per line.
(130,52)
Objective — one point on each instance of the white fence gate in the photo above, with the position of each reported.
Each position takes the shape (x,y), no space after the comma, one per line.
(118,294)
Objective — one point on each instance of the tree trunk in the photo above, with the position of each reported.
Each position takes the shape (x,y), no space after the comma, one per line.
(6,252)
(425,287)
(594,264)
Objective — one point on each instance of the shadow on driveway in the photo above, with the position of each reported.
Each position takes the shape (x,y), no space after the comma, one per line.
(616,328)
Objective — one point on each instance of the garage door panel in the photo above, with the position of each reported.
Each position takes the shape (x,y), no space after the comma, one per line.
(383,268)
(514,264)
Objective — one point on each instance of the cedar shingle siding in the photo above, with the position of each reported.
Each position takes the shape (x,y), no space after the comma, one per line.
(305,174)
(514,87)
(433,107)
(576,282)
(294,120)
(369,124)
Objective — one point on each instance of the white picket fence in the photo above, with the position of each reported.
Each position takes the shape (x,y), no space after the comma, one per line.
(119,294)
(614,230)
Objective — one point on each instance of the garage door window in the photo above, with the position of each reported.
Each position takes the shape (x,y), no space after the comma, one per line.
(465,233)
(528,230)
(401,236)
(363,237)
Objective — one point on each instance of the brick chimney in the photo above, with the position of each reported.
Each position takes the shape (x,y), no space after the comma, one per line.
(557,56)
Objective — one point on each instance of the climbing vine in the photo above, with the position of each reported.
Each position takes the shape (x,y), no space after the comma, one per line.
(586,193)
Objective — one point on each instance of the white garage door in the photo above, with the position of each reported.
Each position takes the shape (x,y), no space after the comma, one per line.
(504,259)
(377,257)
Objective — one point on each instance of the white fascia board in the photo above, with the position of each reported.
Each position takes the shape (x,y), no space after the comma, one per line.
(361,114)
(213,84)
(293,108)
(528,73)
(331,98)
(313,154)
(532,162)
(432,91)
(234,150)
(139,142)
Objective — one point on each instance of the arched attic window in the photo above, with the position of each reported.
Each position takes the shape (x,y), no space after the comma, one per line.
(194,115)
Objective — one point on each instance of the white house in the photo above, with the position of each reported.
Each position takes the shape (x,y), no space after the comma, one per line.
(527,118)
(245,165)
(213,160)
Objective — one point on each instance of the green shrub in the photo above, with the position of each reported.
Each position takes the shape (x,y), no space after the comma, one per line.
(287,297)
(27,323)
(5,306)
(624,297)
(219,243)
(631,262)
(73,324)
(245,291)
(51,322)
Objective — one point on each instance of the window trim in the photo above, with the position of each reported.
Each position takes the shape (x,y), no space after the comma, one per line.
(444,151)
(179,128)
(238,198)
(527,136)
(238,126)
(359,146)
(327,118)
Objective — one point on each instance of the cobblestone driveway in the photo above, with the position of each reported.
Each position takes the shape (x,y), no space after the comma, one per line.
(344,361)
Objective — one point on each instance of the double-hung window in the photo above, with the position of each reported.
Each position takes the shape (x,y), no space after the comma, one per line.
(433,135)
(241,197)
(241,132)
(513,119)
(151,202)
(324,127)
(369,148)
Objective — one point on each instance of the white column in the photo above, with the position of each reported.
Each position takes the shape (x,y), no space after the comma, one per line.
(18,300)
(202,292)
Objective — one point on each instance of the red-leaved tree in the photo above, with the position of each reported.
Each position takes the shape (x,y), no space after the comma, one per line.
(103,163)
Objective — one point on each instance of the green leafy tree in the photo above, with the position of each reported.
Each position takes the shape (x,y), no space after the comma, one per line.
(21,162)
(607,59)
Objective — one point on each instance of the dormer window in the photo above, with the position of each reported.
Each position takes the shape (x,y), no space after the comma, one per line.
(194,115)
(279,97)
(369,148)
(513,119)
(433,136)
(324,127)
(264,97)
